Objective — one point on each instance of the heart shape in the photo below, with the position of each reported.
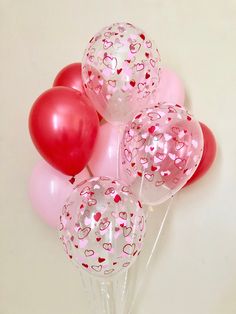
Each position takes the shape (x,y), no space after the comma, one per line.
(140,142)
(83,233)
(127,231)
(108,34)
(109,191)
(141,86)
(97,216)
(179,145)
(128,137)
(107,246)
(149,177)
(139,66)
(125,189)
(97,268)
(134,48)
(171,109)
(159,183)
(107,44)
(112,83)
(153,63)
(123,215)
(128,155)
(129,249)
(110,62)
(175,130)
(149,44)
(160,156)
(85,190)
(117,198)
(92,202)
(109,271)
(180,163)
(143,160)
(121,29)
(104,225)
(154,115)
(151,130)
(89,253)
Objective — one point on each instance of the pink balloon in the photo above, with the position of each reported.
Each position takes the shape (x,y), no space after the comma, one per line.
(170,88)
(49,189)
(105,158)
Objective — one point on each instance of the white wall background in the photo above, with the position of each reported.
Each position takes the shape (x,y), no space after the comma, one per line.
(195,270)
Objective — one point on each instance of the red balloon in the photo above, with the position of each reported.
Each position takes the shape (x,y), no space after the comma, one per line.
(208,156)
(71,76)
(63,127)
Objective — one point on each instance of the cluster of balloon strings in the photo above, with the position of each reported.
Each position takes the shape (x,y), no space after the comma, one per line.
(148,150)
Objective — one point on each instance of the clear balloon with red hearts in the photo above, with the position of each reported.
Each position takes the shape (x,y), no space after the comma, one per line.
(120,71)
(102,226)
(161,149)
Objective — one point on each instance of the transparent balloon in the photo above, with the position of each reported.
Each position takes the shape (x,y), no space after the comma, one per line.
(161,149)
(120,71)
(102,226)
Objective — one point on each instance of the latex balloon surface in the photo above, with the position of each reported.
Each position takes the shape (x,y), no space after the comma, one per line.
(70,76)
(49,189)
(120,71)
(63,127)
(102,226)
(170,88)
(208,156)
(105,160)
(162,147)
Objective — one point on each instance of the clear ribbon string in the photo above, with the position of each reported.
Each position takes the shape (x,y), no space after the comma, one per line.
(118,295)
(156,219)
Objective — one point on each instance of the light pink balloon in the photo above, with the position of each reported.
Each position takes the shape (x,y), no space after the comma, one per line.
(170,88)
(105,158)
(49,189)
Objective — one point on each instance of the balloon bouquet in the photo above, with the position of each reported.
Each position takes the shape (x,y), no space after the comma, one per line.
(147,150)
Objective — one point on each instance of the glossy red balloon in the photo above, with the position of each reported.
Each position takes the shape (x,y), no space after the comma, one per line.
(208,156)
(71,76)
(63,126)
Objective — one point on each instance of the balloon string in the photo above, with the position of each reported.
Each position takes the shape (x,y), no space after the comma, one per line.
(144,273)
(159,232)
(85,283)
(102,300)
(123,295)
(107,290)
